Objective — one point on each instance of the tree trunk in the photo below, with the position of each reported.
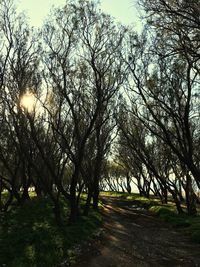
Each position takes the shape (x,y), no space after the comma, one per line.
(190,196)
(38,190)
(73,203)
(25,194)
(8,202)
(177,202)
(128,187)
(57,212)
(79,193)
(1,189)
(96,196)
(88,201)
(97,174)
(164,195)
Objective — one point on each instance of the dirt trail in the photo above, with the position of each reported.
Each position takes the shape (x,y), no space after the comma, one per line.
(137,238)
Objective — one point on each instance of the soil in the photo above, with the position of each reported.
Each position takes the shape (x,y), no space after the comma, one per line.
(136,237)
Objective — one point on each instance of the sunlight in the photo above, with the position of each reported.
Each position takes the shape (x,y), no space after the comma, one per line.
(28,102)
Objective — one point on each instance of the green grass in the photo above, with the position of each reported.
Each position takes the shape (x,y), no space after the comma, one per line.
(29,236)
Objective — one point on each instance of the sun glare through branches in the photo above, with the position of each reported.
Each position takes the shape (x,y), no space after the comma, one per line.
(28,102)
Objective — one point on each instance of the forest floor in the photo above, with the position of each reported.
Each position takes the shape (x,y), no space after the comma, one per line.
(137,237)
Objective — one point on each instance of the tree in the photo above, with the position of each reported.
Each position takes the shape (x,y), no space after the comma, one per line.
(19,74)
(84,72)
(164,96)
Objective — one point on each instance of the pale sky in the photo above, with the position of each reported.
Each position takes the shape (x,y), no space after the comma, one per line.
(123,10)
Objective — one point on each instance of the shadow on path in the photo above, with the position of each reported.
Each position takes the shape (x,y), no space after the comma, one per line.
(135,237)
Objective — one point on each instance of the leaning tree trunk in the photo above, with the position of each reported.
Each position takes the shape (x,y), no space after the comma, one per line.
(177,201)
(128,183)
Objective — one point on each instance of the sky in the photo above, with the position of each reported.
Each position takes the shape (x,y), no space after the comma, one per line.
(124,11)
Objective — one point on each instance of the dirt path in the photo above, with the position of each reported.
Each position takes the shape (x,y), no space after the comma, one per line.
(137,238)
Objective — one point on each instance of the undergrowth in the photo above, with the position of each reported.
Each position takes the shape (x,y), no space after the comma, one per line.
(30,237)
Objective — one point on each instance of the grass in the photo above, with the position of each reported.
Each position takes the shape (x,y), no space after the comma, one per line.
(188,225)
(29,236)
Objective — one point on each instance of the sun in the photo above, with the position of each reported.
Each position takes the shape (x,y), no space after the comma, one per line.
(28,102)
